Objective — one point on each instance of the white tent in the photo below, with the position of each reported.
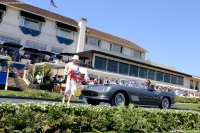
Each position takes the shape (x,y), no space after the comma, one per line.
(51,65)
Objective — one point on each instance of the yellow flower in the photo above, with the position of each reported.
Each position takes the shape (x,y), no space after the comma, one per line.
(9,63)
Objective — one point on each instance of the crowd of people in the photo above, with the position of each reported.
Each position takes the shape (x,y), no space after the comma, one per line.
(15,56)
(176,91)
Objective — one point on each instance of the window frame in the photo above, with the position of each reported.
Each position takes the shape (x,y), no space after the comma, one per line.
(111,48)
(55,51)
(23,19)
(97,40)
(162,76)
(58,29)
(133,53)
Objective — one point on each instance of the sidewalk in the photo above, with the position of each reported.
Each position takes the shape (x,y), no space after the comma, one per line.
(30,98)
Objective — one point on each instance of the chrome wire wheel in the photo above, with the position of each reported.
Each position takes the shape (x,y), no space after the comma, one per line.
(120,98)
(165,103)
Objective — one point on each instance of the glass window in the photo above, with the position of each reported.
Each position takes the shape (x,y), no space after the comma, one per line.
(152,74)
(159,76)
(133,70)
(143,72)
(100,63)
(93,41)
(197,85)
(174,79)
(136,53)
(64,33)
(9,39)
(191,84)
(32,24)
(180,81)
(116,48)
(123,68)
(56,50)
(112,66)
(35,45)
(167,78)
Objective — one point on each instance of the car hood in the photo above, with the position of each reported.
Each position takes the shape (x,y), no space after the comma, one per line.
(95,87)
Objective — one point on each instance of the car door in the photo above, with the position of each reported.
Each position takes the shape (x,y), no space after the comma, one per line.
(136,95)
(151,97)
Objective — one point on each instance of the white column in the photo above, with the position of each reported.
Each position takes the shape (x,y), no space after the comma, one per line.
(81,37)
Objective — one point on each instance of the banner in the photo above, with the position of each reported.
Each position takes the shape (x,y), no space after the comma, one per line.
(3,76)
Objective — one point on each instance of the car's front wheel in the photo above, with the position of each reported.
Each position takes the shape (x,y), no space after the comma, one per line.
(165,104)
(93,101)
(119,98)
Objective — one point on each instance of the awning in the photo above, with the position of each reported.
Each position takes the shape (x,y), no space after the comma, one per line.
(13,45)
(67,54)
(66,26)
(3,7)
(32,16)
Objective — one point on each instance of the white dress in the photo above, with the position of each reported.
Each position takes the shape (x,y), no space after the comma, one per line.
(71,86)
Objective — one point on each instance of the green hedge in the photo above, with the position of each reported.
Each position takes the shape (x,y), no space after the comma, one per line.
(186,100)
(47,118)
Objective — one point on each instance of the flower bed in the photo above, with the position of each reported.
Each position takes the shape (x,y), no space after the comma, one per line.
(31,117)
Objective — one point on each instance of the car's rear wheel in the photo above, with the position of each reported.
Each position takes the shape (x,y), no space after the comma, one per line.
(93,101)
(165,104)
(119,98)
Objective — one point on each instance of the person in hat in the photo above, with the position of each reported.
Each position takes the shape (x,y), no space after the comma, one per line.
(71,83)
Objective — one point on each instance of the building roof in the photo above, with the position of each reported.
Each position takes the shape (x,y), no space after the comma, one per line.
(90,52)
(63,19)
(42,12)
(114,39)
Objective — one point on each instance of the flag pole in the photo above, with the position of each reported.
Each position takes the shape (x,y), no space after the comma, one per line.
(49,7)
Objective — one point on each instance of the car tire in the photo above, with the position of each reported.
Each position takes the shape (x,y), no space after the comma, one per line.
(93,101)
(165,104)
(118,98)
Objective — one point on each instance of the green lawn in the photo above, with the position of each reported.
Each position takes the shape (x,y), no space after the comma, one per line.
(190,106)
(33,93)
(13,93)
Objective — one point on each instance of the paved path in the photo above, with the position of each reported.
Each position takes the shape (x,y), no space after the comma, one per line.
(12,100)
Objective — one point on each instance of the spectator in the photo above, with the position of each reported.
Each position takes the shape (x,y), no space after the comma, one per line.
(121,82)
(113,82)
(39,78)
(91,82)
(88,79)
(106,81)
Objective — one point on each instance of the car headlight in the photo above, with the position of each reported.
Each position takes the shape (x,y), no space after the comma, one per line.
(107,88)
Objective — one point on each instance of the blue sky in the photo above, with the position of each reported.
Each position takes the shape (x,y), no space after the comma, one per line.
(168,29)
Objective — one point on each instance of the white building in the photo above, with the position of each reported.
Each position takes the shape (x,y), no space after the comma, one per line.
(108,55)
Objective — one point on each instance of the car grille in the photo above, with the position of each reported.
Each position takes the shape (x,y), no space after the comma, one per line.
(89,93)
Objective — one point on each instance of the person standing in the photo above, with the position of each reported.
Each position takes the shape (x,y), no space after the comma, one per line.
(71,83)
(39,78)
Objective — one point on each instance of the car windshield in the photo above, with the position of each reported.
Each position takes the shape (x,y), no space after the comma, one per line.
(133,83)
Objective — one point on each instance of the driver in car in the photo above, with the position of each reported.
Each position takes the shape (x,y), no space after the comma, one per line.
(148,85)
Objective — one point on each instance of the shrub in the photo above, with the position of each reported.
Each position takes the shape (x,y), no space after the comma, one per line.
(31,117)
(185,100)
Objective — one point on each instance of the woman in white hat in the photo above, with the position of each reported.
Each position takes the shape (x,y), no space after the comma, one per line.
(71,84)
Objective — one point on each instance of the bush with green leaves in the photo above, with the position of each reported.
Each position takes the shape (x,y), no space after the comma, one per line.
(47,74)
(185,100)
(46,118)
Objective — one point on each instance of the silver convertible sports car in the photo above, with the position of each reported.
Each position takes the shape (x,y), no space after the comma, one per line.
(116,94)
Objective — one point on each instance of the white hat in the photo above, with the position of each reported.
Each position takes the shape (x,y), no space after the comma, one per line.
(75,57)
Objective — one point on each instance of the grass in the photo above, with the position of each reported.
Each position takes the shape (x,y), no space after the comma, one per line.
(13,93)
(190,106)
(33,93)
